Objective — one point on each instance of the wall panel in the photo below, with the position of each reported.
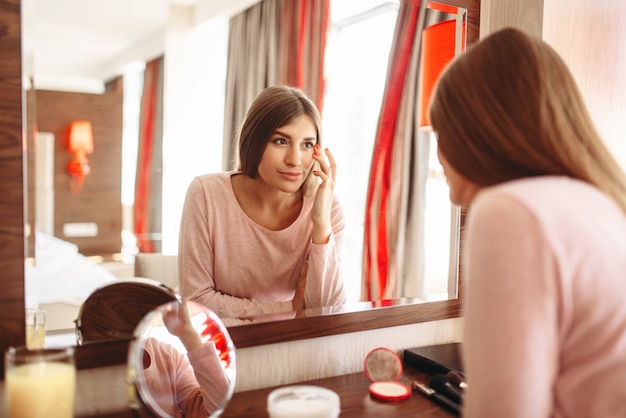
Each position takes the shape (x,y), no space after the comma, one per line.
(12,330)
(100,199)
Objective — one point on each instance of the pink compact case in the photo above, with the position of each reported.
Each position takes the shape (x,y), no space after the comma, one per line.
(383,367)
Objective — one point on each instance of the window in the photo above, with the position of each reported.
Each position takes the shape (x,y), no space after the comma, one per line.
(356,68)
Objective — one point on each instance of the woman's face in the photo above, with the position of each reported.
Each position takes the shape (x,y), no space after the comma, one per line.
(462,191)
(288,155)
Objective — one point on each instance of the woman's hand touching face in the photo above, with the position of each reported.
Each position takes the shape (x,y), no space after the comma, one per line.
(322,225)
(178,322)
(176,319)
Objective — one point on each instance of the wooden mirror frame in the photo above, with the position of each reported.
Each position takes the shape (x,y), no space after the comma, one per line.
(16,133)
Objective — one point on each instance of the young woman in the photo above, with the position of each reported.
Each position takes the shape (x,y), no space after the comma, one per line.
(267,237)
(545,253)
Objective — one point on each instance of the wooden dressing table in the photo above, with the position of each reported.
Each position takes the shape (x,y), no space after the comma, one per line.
(353,389)
(356,402)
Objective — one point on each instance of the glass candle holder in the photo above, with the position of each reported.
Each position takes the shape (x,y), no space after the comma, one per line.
(40,383)
(35,328)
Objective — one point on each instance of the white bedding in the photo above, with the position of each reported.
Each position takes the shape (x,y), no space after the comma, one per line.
(61,274)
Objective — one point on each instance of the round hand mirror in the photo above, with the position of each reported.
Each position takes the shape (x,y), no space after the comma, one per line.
(181,363)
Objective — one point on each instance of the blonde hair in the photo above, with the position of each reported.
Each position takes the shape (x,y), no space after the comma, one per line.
(510,108)
(273,108)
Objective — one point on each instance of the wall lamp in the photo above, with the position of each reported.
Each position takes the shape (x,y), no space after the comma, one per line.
(80,144)
(441,42)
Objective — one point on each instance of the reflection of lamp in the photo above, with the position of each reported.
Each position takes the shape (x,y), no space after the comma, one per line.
(80,143)
(438,49)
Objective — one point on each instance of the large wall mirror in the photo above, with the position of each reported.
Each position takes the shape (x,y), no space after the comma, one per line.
(360,315)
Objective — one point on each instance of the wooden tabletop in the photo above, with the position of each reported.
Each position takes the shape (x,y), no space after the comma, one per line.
(353,389)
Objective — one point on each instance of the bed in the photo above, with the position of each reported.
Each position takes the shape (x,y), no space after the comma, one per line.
(60,280)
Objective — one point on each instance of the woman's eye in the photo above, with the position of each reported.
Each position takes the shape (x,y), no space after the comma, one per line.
(309,145)
(280,141)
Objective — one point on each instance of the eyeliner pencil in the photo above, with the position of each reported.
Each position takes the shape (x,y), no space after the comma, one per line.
(437,397)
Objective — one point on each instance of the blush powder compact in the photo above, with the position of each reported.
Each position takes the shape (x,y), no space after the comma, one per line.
(383,368)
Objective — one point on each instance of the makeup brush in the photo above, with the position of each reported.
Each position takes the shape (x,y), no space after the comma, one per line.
(437,397)
(456,379)
(441,384)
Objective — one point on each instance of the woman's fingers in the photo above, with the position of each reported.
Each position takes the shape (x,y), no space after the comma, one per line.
(321,213)
(333,164)
(327,165)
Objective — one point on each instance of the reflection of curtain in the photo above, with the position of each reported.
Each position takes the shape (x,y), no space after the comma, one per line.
(147,207)
(394,221)
(303,33)
(273,42)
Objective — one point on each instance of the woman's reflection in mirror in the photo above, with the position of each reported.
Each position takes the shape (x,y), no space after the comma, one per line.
(545,247)
(192,385)
(266,238)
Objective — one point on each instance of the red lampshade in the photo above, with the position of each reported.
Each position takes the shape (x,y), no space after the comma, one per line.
(438,49)
(81,137)
(80,143)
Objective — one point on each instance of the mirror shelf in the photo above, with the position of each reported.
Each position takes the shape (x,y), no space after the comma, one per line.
(301,328)
(112,352)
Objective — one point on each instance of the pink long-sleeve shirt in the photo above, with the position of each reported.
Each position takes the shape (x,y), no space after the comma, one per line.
(238,268)
(172,380)
(545,302)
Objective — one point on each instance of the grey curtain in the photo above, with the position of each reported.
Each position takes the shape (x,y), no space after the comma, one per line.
(253,45)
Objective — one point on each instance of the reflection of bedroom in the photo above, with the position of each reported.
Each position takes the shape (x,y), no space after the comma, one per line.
(63,278)
(84,239)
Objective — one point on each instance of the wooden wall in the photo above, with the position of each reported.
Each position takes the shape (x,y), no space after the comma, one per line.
(100,199)
(12,330)
(30,194)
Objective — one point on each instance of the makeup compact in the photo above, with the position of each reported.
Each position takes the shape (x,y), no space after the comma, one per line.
(383,368)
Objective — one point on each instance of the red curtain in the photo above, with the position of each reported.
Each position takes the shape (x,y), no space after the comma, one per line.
(377,264)
(147,206)
(394,256)
(303,34)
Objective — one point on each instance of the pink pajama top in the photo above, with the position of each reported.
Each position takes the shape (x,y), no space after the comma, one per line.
(238,269)
(174,380)
(545,302)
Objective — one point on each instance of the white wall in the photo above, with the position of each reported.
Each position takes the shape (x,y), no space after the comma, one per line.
(591,38)
(196,39)
(195,69)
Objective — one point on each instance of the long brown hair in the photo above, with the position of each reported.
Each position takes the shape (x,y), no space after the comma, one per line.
(273,108)
(510,108)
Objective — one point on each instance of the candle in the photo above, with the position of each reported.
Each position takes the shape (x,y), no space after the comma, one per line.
(35,328)
(40,384)
(35,336)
